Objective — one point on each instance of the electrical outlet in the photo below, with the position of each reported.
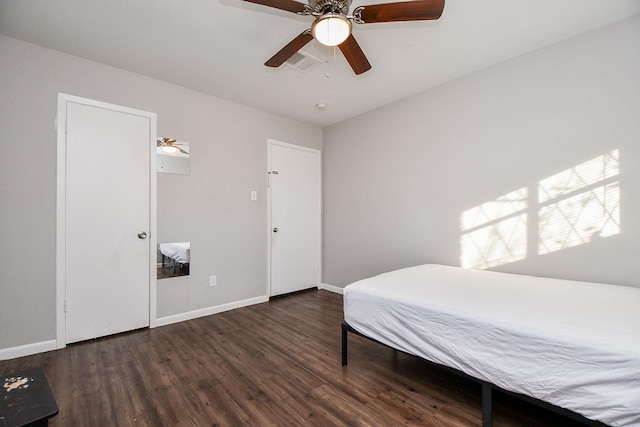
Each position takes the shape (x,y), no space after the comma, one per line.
(212,280)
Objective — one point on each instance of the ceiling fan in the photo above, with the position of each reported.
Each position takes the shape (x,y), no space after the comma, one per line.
(332,25)
(169,145)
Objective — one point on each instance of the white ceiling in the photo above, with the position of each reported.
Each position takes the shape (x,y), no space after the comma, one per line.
(219,46)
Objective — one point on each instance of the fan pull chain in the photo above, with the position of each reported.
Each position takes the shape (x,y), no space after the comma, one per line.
(327,74)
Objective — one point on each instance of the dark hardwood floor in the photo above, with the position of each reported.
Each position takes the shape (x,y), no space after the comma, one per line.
(271,364)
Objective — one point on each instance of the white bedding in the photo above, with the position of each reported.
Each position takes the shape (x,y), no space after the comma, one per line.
(573,344)
(180,252)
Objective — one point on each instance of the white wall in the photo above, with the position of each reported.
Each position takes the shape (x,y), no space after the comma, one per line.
(211,208)
(397,179)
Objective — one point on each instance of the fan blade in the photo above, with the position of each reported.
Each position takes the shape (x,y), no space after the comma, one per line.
(354,54)
(419,10)
(164,141)
(287,52)
(288,5)
(181,150)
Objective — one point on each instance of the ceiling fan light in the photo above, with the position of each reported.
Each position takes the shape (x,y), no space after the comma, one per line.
(169,149)
(331,29)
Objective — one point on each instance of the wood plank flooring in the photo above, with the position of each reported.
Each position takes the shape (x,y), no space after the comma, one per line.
(271,364)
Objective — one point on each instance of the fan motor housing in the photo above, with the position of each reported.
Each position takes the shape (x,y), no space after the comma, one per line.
(326,6)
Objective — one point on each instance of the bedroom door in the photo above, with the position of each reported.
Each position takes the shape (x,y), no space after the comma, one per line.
(295,217)
(105,262)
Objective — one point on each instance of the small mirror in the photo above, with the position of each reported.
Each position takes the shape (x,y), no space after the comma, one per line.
(173,259)
(172,156)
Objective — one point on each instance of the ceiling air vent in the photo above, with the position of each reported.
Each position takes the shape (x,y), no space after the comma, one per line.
(302,61)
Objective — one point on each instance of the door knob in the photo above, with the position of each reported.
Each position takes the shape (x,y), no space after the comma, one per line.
(142,235)
(275,230)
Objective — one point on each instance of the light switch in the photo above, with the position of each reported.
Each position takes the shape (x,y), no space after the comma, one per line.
(254,195)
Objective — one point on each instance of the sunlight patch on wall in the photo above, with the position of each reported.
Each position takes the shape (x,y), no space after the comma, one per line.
(572,207)
(495,232)
(580,204)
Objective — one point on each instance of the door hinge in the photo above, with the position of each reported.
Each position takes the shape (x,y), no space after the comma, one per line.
(65,306)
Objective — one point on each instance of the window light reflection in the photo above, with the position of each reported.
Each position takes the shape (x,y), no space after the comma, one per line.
(573,207)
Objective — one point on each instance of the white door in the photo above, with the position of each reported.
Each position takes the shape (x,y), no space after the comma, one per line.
(107,220)
(295,220)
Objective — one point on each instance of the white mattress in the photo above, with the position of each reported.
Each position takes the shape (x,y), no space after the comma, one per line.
(180,252)
(573,344)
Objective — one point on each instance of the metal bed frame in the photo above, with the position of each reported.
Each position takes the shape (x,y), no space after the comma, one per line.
(487,387)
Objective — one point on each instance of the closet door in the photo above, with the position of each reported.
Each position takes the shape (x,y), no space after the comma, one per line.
(107,220)
(295,220)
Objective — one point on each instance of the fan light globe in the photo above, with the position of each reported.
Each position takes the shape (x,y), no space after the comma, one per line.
(169,149)
(331,29)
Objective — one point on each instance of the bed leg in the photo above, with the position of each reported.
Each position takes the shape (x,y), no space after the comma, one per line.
(487,405)
(344,344)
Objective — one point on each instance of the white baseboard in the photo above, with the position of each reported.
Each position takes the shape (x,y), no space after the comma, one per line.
(175,318)
(331,288)
(27,349)
(41,347)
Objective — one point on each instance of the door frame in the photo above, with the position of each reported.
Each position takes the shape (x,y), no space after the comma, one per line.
(61,208)
(271,142)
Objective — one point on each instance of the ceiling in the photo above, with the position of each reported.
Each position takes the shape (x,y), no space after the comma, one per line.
(219,46)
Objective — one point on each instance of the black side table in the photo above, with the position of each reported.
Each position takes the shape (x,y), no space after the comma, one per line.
(26,399)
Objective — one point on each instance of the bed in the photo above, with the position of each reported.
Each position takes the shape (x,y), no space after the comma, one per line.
(574,345)
(178,253)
